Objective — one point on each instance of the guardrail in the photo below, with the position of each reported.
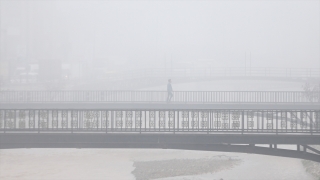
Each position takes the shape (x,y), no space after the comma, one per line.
(160,96)
(161,121)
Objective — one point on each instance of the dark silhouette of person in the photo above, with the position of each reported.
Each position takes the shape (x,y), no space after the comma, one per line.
(169,90)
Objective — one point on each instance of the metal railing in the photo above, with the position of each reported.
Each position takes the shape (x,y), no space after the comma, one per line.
(161,96)
(161,121)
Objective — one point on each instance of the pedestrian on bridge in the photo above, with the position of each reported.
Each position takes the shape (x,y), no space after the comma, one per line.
(170,91)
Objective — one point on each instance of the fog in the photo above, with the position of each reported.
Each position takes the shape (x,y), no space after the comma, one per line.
(199,45)
(82,36)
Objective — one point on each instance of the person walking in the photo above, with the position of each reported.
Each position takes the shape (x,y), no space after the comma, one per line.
(170,91)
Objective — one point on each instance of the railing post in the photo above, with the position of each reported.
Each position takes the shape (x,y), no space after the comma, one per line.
(178,121)
(145,120)
(38,121)
(174,122)
(208,121)
(242,122)
(276,122)
(5,121)
(140,120)
(72,114)
(15,119)
(112,121)
(311,123)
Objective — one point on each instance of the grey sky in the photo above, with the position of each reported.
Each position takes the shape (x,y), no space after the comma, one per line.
(196,33)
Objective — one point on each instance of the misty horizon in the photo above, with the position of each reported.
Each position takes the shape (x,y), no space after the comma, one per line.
(159,34)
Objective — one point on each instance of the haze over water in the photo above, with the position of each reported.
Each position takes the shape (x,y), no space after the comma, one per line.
(89,39)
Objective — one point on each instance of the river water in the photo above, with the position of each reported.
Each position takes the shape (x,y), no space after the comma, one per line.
(101,164)
(113,164)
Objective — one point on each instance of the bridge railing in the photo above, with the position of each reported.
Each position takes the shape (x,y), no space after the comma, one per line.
(161,121)
(161,96)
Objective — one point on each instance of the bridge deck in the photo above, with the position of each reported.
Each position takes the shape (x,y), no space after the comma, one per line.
(155,138)
(202,142)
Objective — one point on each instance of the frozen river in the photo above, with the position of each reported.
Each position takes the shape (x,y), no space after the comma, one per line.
(101,164)
(96,164)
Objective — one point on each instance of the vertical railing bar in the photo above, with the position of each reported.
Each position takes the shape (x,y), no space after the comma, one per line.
(140,120)
(38,121)
(5,121)
(72,117)
(174,121)
(242,122)
(145,120)
(276,122)
(15,119)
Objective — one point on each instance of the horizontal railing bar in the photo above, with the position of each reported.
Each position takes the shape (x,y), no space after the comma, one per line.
(161,96)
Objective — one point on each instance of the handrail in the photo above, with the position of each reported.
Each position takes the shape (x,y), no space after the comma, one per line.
(161,96)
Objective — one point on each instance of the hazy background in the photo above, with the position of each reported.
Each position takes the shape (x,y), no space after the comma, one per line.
(178,34)
(63,40)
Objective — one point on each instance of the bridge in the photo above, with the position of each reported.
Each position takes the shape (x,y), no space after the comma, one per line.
(143,78)
(248,122)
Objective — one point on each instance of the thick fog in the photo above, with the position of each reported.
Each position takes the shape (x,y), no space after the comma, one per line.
(138,34)
(66,40)
(242,71)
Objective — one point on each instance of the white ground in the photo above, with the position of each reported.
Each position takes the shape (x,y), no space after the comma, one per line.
(96,164)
